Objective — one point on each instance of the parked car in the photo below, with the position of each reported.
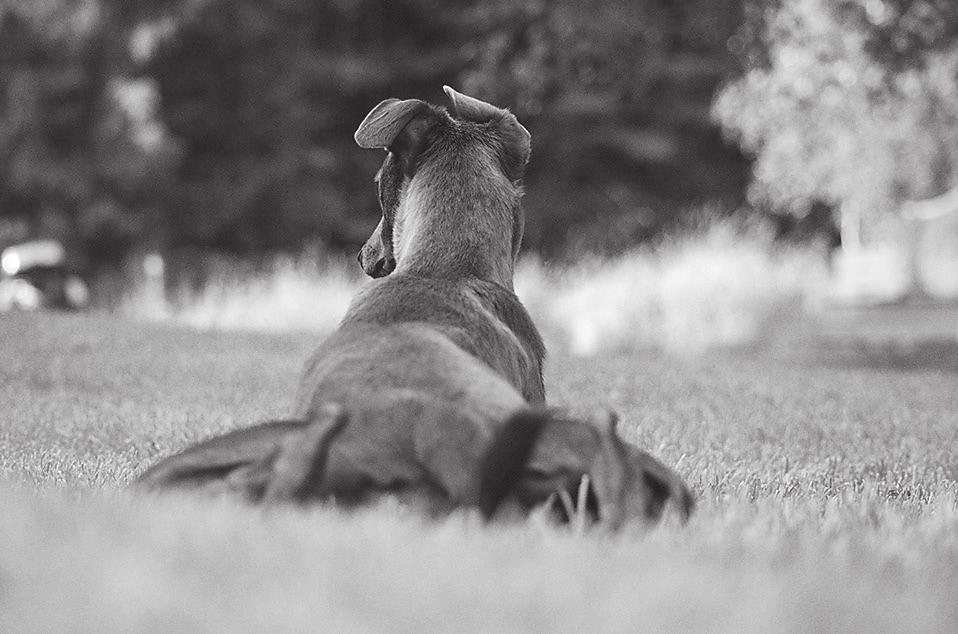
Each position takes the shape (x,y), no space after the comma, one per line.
(34,275)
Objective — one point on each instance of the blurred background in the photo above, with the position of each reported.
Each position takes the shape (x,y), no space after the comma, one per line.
(702,171)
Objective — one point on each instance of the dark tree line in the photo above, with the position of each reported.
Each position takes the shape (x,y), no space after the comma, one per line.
(227,124)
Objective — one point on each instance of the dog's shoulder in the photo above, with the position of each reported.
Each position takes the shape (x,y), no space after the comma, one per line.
(403,298)
(482,318)
(515,328)
(505,305)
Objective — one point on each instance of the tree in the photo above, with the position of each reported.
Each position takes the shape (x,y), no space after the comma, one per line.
(263,97)
(854,104)
(616,94)
(70,166)
(227,124)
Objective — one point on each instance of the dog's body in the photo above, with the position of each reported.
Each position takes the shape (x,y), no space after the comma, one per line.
(392,318)
(432,385)
(436,454)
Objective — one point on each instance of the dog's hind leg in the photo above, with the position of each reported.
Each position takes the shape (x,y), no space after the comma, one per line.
(506,457)
(471,468)
(211,462)
(297,471)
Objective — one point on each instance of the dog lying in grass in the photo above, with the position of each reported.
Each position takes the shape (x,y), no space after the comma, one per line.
(429,454)
(431,387)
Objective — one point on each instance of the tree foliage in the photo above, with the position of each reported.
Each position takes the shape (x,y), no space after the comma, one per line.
(854,104)
(69,166)
(228,123)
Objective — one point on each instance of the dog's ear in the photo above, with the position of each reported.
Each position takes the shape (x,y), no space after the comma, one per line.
(472,109)
(516,140)
(401,126)
(384,122)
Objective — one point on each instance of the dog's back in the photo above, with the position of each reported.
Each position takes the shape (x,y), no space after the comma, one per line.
(480,319)
(450,194)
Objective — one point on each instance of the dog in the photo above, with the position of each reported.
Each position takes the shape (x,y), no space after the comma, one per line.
(432,387)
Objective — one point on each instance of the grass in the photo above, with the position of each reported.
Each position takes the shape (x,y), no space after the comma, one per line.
(828,500)
(720,285)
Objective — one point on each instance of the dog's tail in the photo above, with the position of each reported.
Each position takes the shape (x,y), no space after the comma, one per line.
(506,457)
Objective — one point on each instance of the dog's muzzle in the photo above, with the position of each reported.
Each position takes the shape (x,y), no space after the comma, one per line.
(375,264)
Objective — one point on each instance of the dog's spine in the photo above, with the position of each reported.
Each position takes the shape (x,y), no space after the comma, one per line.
(506,457)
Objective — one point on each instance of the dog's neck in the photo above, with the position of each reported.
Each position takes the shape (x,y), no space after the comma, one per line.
(456,221)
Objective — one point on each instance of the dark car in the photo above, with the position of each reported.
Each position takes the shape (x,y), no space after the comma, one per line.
(34,275)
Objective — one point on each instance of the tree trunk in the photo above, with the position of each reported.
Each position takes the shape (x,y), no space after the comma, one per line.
(851,228)
(916,214)
(915,291)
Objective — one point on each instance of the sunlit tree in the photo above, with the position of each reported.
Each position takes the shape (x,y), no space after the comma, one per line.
(854,105)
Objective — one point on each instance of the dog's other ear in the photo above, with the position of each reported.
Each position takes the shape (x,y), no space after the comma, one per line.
(472,109)
(516,140)
(401,126)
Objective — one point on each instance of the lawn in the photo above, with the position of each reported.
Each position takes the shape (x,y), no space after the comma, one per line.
(828,500)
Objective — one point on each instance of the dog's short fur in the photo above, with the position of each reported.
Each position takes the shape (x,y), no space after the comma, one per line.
(426,387)
(450,231)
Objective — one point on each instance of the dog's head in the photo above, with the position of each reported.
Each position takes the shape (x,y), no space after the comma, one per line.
(477,139)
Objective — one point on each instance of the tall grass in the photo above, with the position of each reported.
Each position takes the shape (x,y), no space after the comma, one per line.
(287,294)
(722,286)
(718,286)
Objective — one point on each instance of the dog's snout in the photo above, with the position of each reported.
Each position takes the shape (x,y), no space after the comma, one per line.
(382,267)
(374,263)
